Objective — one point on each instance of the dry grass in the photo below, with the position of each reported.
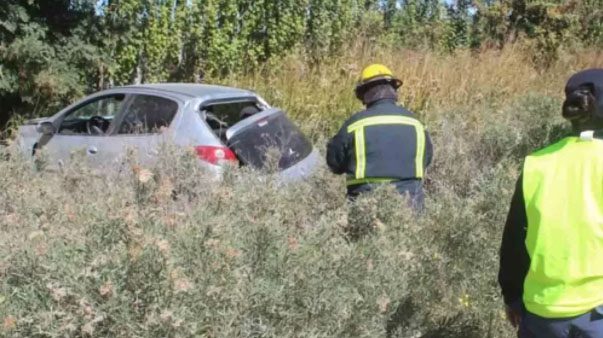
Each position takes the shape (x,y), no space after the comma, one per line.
(165,252)
(432,82)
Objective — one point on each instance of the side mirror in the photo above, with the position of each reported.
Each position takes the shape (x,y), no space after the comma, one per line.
(46,128)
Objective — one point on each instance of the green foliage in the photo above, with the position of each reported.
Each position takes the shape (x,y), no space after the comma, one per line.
(547,26)
(119,255)
(419,23)
(47,57)
(54,51)
(159,40)
(124,41)
(587,23)
(458,26)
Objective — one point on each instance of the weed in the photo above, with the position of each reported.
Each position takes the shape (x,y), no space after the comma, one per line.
(164,250)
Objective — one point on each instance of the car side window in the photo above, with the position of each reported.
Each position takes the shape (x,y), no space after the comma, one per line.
(148,114)
(93,117)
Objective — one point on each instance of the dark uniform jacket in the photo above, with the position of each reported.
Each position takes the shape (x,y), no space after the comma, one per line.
(384,143)
(514,258)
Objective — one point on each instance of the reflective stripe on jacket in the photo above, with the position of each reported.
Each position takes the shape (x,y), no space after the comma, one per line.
(383,143)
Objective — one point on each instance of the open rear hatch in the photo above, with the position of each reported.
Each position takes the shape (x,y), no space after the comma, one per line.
(268,137)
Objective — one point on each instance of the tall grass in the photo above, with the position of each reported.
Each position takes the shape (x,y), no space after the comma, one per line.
(433,83)
(165,251)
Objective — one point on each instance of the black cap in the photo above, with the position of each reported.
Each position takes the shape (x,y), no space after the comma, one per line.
(248,111)
(590,77)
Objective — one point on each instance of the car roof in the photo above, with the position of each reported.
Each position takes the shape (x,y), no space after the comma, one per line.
(193,90)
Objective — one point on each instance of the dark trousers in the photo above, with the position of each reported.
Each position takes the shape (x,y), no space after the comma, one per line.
(413,189)
(588,325)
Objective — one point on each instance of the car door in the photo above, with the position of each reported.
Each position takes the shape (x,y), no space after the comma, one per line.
(141,128)
(84,128)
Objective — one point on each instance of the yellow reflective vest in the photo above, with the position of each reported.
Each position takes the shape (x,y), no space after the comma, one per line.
(563,194)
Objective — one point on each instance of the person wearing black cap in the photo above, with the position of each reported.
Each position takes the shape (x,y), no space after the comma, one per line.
(383,144)
(551,270)
(248,111)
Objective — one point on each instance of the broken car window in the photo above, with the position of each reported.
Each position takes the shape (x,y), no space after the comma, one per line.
(221,116)
(232,112)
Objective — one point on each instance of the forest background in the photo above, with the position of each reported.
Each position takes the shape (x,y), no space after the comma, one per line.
(54,51)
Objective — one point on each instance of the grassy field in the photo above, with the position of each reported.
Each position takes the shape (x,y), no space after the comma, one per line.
(165,252)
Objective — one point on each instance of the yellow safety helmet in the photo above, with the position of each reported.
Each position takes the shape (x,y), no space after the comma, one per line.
(376,73)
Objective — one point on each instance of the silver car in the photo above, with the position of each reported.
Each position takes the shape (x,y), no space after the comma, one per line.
(222,124)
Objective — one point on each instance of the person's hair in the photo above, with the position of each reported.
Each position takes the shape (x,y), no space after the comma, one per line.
(580,104)
(248,111)
(378,91)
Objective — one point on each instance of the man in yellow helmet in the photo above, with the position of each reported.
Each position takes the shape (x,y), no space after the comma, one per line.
(384,143)
(551,259)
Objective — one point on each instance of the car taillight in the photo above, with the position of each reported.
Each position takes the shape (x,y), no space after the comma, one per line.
(216,155)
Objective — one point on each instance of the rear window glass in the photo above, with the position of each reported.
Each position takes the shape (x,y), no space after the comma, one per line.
(233,112)
(273,137)
(148,114)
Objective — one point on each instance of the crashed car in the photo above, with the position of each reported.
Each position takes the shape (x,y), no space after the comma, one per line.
(223,125)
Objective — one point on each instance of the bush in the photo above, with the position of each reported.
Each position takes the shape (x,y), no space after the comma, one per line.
(165,251)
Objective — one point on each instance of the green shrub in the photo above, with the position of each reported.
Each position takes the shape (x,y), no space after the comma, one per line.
(165,251)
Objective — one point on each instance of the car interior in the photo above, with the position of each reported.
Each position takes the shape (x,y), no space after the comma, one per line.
(148,114)
(94,125)
(145,114)
(221,116)
(93,118)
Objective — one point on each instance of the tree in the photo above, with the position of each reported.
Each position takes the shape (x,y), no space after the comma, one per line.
(458,25)
(328,24)
(587,16)
(48,54)
(52,51)
(418,23)
(546,26)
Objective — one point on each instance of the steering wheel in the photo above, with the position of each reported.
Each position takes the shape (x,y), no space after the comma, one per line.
(96,125)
